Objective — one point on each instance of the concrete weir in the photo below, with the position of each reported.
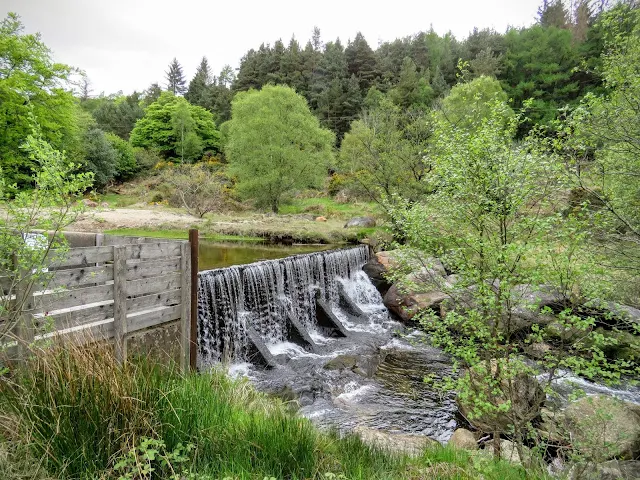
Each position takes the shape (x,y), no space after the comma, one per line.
(242,310)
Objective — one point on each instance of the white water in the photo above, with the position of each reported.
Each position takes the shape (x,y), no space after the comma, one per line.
(263,296)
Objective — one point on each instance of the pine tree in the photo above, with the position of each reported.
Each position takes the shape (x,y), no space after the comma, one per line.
(199,92)
(361,62)
(552,13)
(175,78)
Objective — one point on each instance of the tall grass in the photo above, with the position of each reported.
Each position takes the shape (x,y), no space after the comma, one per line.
(78,411)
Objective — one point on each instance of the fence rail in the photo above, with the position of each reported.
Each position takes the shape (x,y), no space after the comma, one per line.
(108,291)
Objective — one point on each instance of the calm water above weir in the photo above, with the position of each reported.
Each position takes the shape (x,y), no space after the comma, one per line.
(227,254)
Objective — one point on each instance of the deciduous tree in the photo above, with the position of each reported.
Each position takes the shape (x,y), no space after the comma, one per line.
(275,145)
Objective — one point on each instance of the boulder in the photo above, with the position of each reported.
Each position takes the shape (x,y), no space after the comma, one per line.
(611,470)
(363,222)
(523,391)
(509,452)
(375,271)
(626,317)
(365,366)
(463,438)
(321,219)
(407,305)
(89,203)
(395,442)
(603,427)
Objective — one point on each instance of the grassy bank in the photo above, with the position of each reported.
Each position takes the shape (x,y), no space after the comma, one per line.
(75,413)
(179,234)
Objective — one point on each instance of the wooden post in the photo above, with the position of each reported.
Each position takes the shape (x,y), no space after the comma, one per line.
(185,307)
(193,330)
(120,302)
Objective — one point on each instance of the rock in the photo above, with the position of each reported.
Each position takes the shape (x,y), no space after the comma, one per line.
(321,219)
(375,271)
(611,470)
(341,362)
(538,350)
(395,442)
(537,297)
(394,259)
(627,316)
(564,332)
(603,427)
(463,438)
(365,366)
(523,391)
(407,305)
(364,222)
(509,452)
(104,204)
(89,203)
(548,427)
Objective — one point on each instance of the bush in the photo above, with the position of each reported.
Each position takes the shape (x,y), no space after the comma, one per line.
(197,188)
(126,164)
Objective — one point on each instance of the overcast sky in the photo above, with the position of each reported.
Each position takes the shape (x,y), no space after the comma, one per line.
(127,44)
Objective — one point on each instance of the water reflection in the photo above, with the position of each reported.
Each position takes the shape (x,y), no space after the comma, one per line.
(226,254)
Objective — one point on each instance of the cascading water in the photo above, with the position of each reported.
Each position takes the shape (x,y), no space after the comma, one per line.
(263,296)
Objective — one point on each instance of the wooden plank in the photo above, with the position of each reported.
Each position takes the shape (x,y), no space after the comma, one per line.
(77,277)
(77,317)
(163,299)
(153,318)
(152,268)
(85,334)
(120,302)
(185,303)
(80,257)
(52,301)
(149,251)
(146,286)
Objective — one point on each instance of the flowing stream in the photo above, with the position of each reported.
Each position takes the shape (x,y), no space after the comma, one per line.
(357,369)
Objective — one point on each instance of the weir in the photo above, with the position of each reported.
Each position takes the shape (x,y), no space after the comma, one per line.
(242,309)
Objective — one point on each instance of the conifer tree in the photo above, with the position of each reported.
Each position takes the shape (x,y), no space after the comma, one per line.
(175,78)
(199,92)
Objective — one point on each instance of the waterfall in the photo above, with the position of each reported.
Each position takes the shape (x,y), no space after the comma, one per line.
(262,296)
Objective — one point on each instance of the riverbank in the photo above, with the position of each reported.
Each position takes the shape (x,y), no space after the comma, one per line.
(144,420)
(144,220)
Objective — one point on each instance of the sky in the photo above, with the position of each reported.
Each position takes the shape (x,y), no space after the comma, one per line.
(125,45)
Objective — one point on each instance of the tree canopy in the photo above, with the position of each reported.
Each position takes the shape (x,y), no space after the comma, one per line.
(275,145)
(170,122)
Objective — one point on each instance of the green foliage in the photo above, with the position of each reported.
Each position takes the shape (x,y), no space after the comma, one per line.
(33,89)
(468,104)
(541,64)
(275,145)
(85,416)
(100,157)
(384,153)
(492,220)
(165,121)
(118,115)
(176,83)
(49,206)
(126,165)
(602,136)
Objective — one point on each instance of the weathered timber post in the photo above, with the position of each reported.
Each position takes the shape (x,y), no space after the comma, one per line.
(193,330)
(120,302)
(186,286)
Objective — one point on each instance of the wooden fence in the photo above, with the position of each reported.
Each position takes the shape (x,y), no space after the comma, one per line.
(109,291)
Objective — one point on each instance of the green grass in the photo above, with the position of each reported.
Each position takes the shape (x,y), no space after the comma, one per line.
(119,200)
(78,412)
(181,234)
(327,206)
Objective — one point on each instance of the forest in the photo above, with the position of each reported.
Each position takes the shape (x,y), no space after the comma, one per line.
(502,169)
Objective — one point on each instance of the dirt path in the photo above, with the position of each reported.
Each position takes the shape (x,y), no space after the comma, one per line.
(106,219)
